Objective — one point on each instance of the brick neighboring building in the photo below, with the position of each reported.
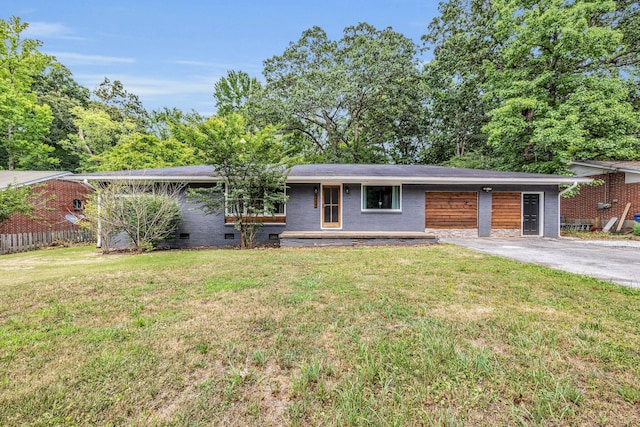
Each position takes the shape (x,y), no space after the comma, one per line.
(69,198)
(598,204)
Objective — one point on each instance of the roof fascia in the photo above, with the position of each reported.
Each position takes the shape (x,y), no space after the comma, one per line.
(42,179)
(436,180)
(591,165)
(143,178)
(608,168)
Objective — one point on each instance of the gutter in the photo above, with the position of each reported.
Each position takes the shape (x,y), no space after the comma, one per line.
(571,187)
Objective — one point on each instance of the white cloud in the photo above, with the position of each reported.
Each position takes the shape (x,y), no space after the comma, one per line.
(198,63)
(153,86)
(218,66)
(70,58)
(54,30)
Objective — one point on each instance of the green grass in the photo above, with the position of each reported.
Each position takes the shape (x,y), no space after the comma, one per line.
(342,336)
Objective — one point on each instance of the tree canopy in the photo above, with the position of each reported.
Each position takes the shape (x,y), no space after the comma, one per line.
(511,84)
(24,123)
(357,99)
(543,83)
(253,165)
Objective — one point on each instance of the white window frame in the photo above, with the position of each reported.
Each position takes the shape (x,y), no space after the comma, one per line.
(265,213)
(363,193)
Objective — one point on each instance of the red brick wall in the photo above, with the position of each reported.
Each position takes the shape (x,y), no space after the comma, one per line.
(51,213)
(585,205)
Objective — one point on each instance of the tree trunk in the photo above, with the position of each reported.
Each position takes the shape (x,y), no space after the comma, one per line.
(10,161)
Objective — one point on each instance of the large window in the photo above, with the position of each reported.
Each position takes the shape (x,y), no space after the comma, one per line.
(381,197)
(279,209)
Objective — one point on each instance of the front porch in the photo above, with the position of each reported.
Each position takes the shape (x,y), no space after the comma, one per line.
(293,239)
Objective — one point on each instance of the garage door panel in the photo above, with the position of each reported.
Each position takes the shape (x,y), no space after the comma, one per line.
(506,210)
(451,210)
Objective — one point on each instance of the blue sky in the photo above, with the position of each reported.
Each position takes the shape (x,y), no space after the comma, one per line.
(170,53)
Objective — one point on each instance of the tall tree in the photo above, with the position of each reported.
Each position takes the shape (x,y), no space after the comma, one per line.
(110,118)
(253,167)
(462,39)
(357,99)
(96,133)
(121,104)
(234,91)
(544,80)
(56,88)
(558,82)
(24,123)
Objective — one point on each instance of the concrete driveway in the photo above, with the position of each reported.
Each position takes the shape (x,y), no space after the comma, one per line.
(617,261)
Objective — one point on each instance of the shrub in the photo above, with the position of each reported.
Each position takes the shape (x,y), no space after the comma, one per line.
(146,214)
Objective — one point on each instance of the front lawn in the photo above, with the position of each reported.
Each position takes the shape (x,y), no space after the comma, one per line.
(358,336)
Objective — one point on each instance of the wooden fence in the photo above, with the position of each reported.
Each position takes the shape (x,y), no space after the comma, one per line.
(22,242)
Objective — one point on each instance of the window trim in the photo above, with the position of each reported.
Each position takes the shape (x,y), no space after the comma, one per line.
(79,205)
(363,193)
(266,214)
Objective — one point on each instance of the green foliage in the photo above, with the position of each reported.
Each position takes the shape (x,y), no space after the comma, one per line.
(23,122)
(15,199)
(233,92)
(636,229)
(116,117)
(122,105)
(146,213)
(141,151)
(56,88)
(356,100)
(534,85)
(461,40)
(556,79)
(96,133)
(252,166)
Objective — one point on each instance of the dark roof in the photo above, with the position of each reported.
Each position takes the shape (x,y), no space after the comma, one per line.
(403,171)
(203,171)
(348,172)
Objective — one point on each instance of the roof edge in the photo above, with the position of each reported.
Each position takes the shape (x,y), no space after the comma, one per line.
(56,175)
(610,168)
(347,178)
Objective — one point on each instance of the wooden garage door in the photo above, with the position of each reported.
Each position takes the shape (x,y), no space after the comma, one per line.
(451,210)
(506,210)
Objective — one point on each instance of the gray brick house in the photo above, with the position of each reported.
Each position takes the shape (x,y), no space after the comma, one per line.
(350,204)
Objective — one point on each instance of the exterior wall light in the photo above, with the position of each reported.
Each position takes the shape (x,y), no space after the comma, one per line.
(487,189)
(346,189)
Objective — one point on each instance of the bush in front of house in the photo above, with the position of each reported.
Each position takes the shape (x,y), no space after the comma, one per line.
(146,213)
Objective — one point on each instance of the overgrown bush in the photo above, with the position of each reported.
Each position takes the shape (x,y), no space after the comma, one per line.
(636,229)
(146,214)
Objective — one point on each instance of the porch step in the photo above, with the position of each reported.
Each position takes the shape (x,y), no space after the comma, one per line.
(290,239)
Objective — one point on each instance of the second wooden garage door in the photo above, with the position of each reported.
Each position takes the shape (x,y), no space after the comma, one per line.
(506,210)
(451,209)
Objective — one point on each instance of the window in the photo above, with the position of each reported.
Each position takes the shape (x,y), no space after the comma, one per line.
(279,209)
(381,197)
(77,205)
